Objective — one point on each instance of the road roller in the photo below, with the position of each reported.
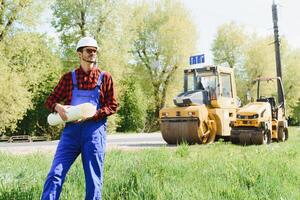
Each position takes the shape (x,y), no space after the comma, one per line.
(205,108)
(262,121)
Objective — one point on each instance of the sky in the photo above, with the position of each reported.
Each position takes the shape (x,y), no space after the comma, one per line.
(208,15)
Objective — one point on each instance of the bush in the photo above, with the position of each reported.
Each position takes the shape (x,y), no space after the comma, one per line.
(132,111)
(15,99)
(37,69)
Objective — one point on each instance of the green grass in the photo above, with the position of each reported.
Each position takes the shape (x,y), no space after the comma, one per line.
(217,171)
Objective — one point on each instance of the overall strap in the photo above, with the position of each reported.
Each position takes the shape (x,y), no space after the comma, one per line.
(74,81)
(100,79)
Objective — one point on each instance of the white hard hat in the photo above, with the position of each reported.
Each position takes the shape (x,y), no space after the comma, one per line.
(86,42)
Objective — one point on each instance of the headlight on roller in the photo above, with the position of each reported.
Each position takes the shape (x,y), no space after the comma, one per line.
(191,114)
(255,116)
(165,114)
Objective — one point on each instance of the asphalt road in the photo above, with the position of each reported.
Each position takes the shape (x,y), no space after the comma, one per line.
(114,141)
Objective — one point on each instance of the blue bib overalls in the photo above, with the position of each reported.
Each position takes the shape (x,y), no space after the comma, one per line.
(87,138)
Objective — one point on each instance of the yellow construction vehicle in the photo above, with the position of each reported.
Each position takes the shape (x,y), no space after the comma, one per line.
(204,110)
(261,121)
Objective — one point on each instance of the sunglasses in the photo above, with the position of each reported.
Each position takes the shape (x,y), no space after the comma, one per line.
(90,51)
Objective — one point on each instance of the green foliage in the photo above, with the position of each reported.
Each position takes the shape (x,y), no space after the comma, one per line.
(165,29)
(36,68)
(182,150)
(71,19)
(24,77)
(253,56)
(107,21)
(291,77)
(15,99)
(164,38)
(259,62)
(228,45)
(228,50)
(215,172)
(112,123)
(19,14)
(133,106)
(295,120)
(260,58)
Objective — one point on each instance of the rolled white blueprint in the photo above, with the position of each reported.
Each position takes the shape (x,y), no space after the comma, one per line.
(73,113)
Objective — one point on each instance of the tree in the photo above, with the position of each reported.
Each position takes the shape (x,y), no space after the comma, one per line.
(260,57)
(108,21)
(75,19)
(253,56)
(37,68)
(17,13)
(165,37)
(18,87)
(259,61)
(15,99)
(295,120)
(228,50)
(132,110)
(291,61)
(228,45)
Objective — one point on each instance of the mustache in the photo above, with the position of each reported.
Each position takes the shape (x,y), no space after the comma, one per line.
(89,61)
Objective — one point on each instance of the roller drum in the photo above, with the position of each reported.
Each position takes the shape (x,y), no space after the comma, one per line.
(179,130)
(190,130)
(248,136)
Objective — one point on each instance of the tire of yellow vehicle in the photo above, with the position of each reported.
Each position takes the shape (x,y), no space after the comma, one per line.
(207,130)
(190,130)
(263,138)
(286,131)
(282,134)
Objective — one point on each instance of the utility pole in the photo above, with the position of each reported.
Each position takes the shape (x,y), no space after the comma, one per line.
(277,51)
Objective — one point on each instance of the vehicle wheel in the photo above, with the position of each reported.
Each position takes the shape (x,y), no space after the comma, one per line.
(263,138)
(286,133)
(269,135)
(281,134)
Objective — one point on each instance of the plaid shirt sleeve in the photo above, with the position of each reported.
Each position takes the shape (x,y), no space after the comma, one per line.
(59,93)
(107,98)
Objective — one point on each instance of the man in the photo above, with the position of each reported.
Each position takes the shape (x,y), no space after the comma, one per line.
(87,137)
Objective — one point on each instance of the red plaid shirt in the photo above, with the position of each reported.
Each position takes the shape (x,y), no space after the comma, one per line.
(85,81)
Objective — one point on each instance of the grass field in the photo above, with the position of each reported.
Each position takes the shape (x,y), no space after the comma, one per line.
(217,171)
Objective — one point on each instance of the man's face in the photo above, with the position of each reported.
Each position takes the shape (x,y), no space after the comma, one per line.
(89,54)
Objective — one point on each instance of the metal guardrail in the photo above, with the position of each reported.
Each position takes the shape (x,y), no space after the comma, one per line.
(20,138)
(39,138)
(4,138)
(23,138)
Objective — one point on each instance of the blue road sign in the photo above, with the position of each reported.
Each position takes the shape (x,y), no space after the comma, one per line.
(197,59)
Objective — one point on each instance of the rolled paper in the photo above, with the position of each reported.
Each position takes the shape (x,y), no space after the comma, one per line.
(73,113)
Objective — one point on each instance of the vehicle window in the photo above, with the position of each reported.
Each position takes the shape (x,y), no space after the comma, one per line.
(208,82)
(191,83)
(226,85)
(201,82)
(268,89)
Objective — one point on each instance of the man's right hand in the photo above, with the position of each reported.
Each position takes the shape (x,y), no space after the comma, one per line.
(61,110)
